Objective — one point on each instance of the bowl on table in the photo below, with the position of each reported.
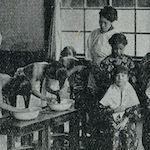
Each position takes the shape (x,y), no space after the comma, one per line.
(65,104)
(32,114)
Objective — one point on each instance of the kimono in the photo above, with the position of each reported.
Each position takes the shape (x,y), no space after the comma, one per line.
(126,138)
(98,45)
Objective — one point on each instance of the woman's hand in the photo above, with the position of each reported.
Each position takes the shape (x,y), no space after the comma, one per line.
(122,125)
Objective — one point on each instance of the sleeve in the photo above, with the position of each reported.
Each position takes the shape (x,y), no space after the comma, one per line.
(133,96)
(133,112)
(89,45)
(105,101)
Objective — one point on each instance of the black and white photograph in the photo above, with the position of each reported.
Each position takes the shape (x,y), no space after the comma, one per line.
(74,74)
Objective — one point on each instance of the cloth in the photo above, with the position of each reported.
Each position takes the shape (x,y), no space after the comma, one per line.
(98,45)
(115,98)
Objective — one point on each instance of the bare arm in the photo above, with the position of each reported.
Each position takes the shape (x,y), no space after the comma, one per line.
(37,93)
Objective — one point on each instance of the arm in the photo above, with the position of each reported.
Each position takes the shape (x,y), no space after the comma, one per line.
(36,92)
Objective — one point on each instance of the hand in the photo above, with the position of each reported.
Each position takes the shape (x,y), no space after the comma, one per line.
(119,109)
(121,125)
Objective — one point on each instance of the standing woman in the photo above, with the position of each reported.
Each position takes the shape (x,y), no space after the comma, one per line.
(98,45)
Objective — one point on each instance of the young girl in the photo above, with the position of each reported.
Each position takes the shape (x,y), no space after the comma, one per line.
(98,46)
(121,101)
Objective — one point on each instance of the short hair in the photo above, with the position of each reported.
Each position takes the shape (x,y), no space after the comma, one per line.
(118,38)
(119,69)
(68,51)
(109,13)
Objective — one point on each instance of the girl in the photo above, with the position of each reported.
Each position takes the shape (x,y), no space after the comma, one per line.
(121,101)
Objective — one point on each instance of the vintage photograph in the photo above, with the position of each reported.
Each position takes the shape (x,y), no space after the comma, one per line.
(74,75)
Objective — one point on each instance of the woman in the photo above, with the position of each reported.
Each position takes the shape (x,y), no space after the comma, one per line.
(52,76)
(98,46)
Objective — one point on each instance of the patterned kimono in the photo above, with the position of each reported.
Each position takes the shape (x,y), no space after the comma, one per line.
(102,73)
(126,138)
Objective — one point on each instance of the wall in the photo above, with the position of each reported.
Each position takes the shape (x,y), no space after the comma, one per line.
(22,25)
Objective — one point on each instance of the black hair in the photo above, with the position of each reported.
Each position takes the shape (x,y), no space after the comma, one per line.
(109,13)
(18,85)
(68,51)
(118,38)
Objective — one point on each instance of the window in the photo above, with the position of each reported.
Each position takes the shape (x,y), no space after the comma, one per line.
(80,17)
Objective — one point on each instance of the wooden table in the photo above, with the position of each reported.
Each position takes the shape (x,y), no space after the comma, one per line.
(46,121)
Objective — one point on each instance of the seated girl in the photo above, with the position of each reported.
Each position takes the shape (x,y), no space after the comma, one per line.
(121,102)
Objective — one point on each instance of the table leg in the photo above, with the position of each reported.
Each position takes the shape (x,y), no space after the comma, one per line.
(74,133)
(10,142)
(44,139)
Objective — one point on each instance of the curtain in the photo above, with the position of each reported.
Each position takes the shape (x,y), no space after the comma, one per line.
(55,33)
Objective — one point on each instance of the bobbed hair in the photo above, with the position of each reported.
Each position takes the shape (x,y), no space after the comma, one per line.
(68,51)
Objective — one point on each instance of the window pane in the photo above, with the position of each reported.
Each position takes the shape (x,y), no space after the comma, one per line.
(143,22)
(122,3)
(124,23)
(96,3)
(130,48)
(91,19)
(72,19)
(143,44)
(74,39)
(72,3)
(144,3)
